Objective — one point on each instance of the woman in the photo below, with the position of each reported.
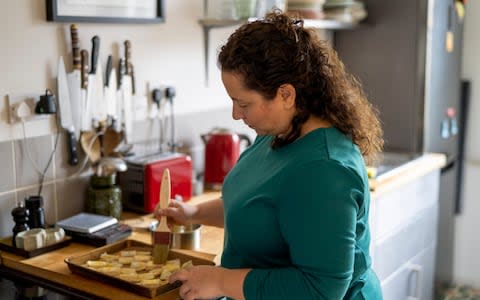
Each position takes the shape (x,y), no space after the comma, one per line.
(295,206)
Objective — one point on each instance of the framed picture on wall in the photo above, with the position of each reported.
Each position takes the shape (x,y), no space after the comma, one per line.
(105,11)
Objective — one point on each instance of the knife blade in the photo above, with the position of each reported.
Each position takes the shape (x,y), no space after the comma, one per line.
(74,81)
(66,120)
(110,90)
(127,107)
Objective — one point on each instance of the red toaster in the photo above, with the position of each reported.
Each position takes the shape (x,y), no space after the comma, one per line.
(141,182)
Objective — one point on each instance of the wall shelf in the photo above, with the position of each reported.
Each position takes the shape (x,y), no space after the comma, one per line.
(208,24)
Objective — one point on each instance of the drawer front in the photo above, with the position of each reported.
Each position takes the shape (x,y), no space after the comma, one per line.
(402,245)
(414,279)
(396,208)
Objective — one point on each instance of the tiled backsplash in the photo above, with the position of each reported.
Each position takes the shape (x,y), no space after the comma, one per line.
(63,194)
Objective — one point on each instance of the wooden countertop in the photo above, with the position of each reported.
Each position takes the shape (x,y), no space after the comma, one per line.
(52,268)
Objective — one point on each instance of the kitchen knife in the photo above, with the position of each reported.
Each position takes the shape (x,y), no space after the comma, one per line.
(95,84)
(74,81)
(111,90)
(65,112)
(84,97)
(121,73)
(108,70)
(127,106)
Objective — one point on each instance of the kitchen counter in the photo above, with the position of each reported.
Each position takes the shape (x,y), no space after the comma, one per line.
(51,270)
(408,171)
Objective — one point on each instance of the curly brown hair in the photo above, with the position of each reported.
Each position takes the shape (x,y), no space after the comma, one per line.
(277,50)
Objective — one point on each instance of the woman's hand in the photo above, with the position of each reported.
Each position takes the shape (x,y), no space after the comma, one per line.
(200,282)
(178,212)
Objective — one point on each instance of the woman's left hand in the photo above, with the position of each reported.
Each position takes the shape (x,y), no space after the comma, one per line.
(199,282)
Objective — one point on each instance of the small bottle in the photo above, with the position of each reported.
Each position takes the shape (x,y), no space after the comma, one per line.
(36,219)
(20,217)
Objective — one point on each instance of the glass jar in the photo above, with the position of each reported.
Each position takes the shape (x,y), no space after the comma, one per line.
(104,197)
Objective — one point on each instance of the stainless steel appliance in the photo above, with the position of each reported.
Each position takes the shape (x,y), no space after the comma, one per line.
(408,57)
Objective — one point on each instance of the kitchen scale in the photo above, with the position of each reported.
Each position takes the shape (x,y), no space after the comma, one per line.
(93,229)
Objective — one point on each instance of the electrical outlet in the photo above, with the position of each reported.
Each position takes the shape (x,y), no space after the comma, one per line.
(20,107)
(21,119)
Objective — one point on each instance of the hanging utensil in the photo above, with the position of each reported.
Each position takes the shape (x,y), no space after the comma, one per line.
(85,116)
(65,112)
(111,91)
(95,84)
(74,81)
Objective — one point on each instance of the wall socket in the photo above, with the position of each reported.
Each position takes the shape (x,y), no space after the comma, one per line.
(28,127)
(21,107)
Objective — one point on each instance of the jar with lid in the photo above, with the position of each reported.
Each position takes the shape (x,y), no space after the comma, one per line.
(104,197)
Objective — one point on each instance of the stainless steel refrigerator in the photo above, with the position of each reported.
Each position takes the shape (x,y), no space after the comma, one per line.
(408,57)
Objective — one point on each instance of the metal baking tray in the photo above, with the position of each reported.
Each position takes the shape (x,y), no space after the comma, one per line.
(76,265)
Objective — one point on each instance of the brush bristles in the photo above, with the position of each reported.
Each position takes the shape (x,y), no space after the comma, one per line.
(160,253)
(161,246)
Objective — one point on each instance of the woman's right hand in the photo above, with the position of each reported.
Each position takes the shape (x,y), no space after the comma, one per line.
(177,213)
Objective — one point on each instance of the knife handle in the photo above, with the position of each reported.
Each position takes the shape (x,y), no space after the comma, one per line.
(84,69)
(75,47)
(128,56)
(95,50)
(108,69)
(132,75)
(72,148)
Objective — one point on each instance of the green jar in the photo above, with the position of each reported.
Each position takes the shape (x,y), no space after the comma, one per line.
(104,197)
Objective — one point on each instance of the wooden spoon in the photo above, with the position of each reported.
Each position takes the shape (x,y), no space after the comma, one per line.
(111,139)
(91,145)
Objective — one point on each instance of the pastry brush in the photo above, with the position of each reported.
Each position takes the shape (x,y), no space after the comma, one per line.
(161,235)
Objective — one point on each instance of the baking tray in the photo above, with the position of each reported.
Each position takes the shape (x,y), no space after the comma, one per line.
(76,265)
(6,245)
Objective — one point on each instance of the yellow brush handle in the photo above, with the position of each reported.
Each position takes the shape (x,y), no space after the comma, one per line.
(164,198)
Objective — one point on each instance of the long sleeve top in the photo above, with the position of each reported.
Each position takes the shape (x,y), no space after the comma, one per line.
(298,216)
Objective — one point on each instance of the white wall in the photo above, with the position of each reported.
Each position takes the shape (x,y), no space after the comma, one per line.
(169,52)
(467,243)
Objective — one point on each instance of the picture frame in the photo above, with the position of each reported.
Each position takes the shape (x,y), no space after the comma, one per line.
(105,11)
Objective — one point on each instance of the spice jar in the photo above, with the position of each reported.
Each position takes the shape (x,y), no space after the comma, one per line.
(104,197)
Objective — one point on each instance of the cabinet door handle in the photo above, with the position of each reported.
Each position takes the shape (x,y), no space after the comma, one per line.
(416,270)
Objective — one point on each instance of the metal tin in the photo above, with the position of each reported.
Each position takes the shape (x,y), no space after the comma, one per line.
(186,237)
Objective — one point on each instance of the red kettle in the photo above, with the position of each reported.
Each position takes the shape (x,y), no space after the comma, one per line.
(222,149)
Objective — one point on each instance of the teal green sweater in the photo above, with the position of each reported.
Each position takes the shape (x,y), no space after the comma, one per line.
(298,216)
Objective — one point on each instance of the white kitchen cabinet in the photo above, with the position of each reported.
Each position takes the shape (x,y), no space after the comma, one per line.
(404,236)
(414,280)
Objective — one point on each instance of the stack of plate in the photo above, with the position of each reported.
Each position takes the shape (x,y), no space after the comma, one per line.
(344,10)
(309,9)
